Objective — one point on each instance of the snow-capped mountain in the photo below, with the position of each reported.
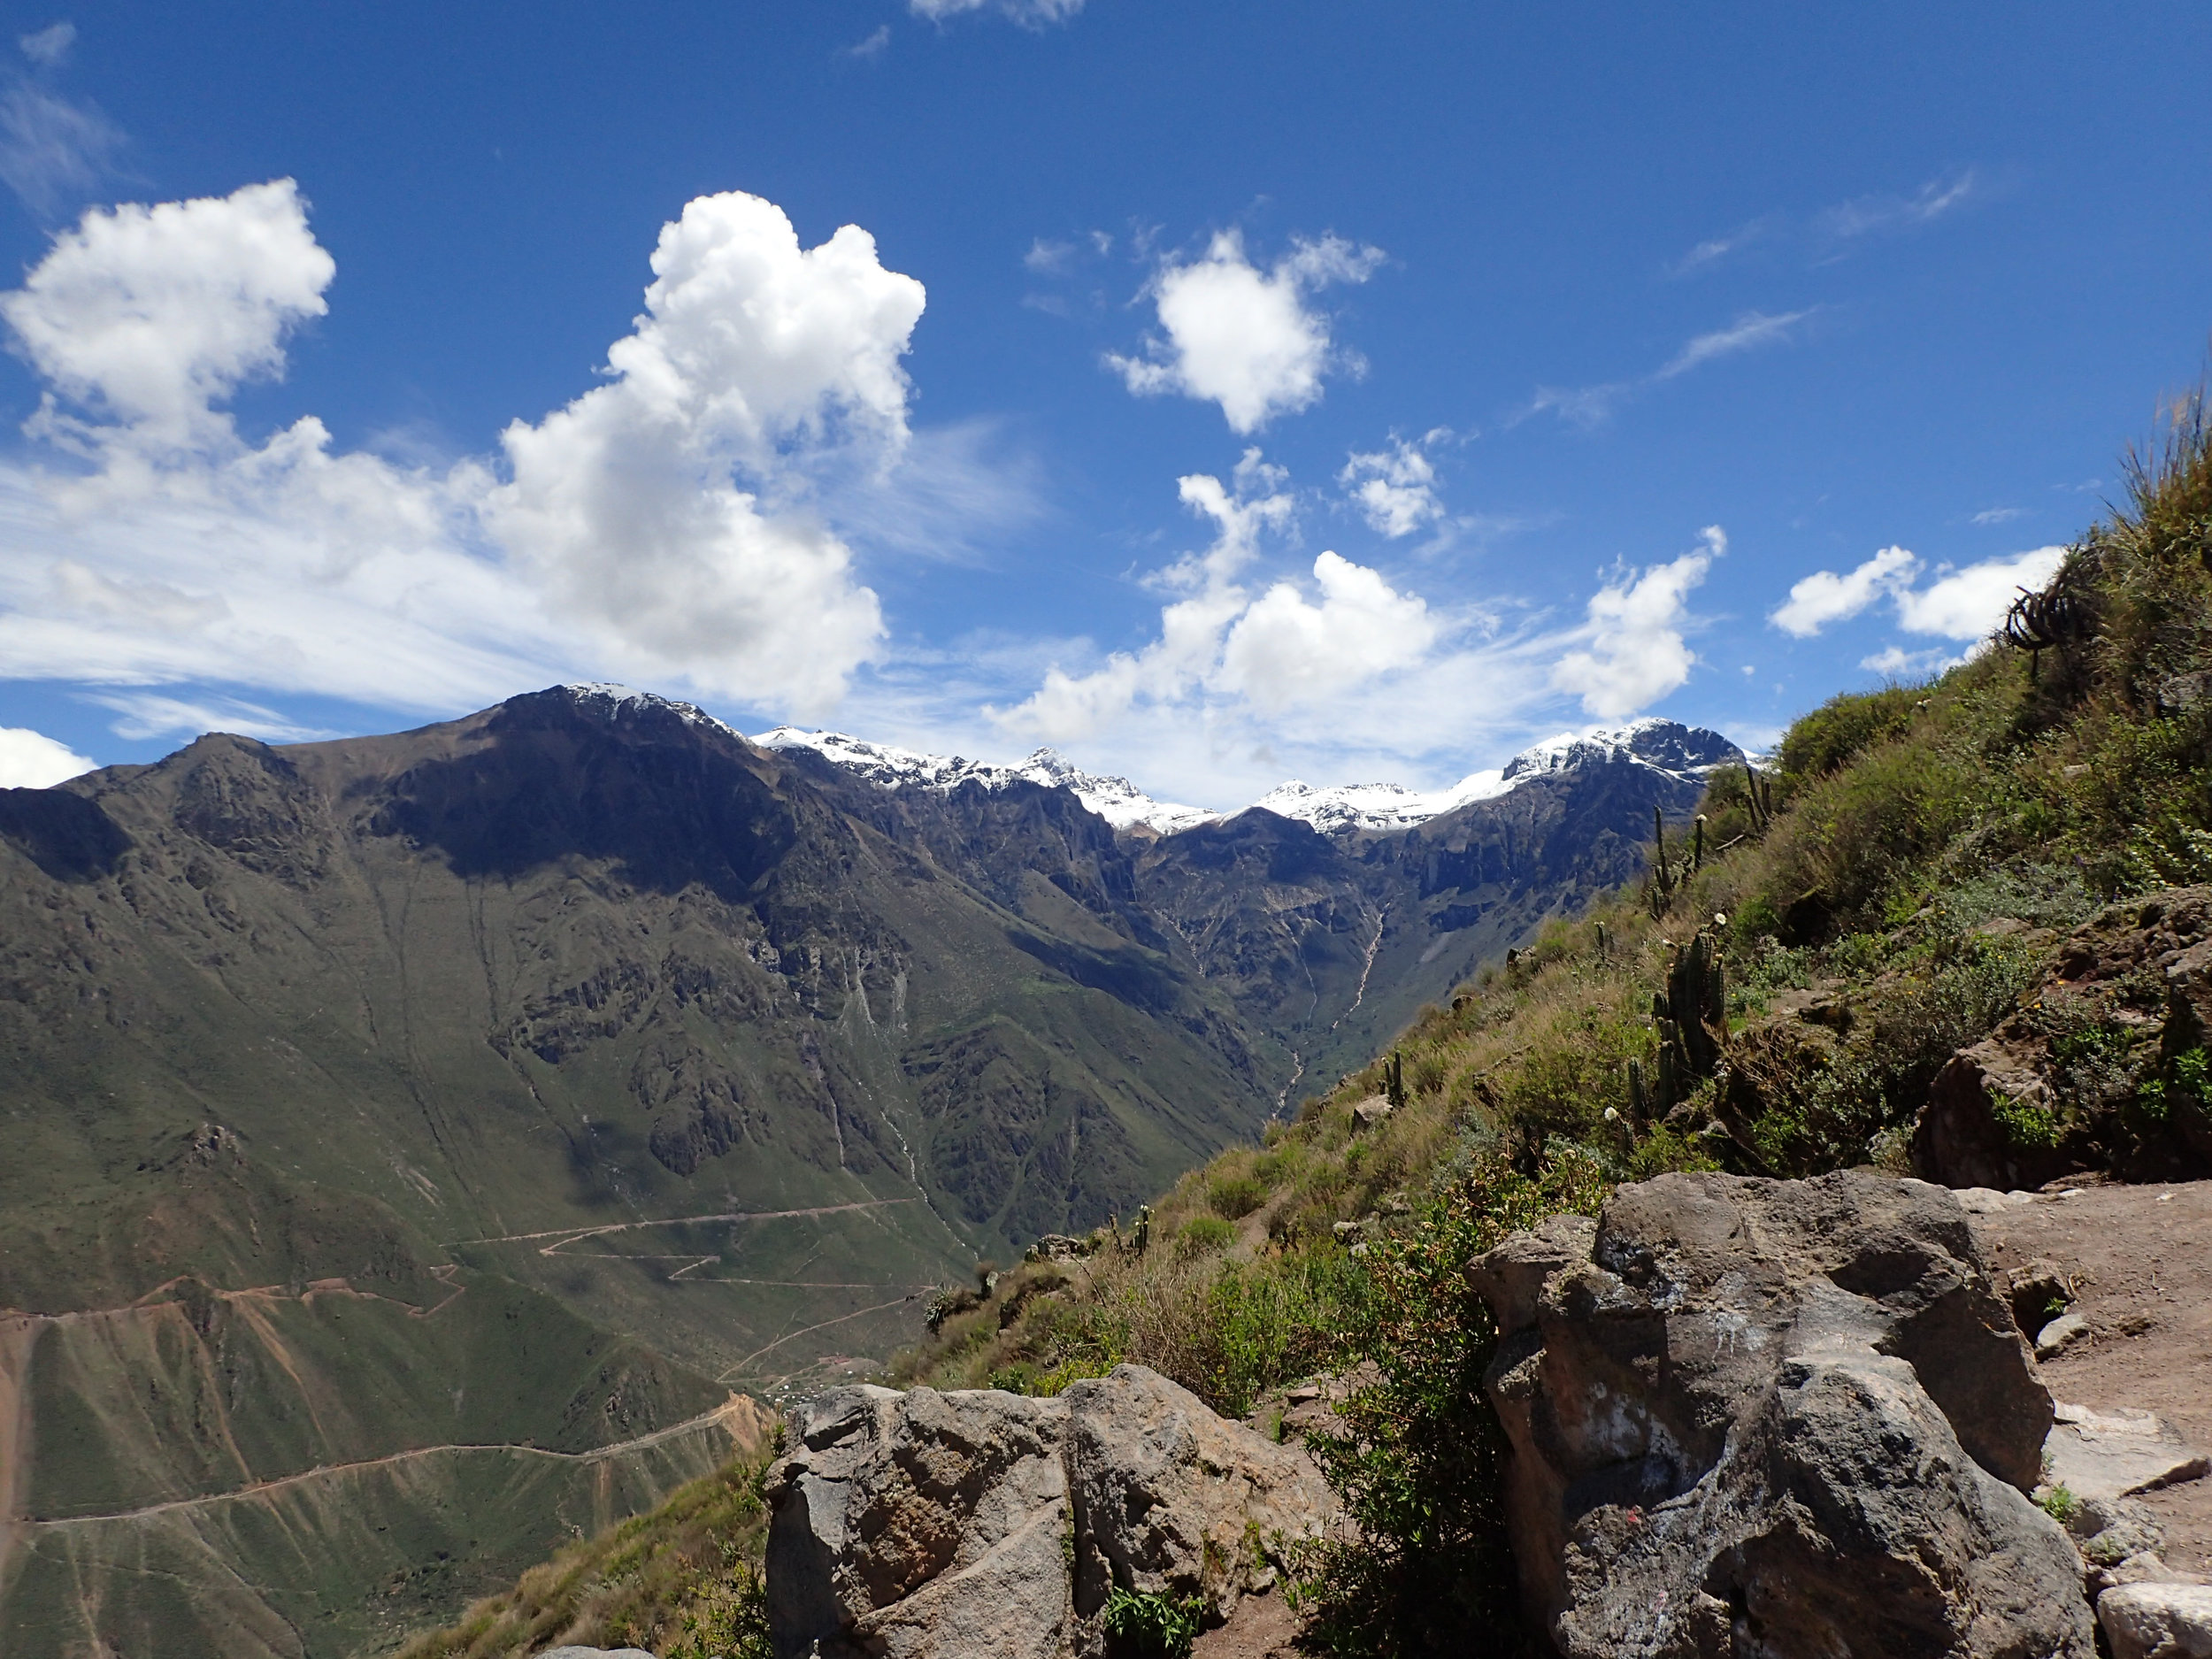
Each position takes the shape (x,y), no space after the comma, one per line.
(1664,746)
(1116,800)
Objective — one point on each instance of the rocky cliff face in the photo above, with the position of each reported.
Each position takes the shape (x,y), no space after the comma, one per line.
(1767,1417)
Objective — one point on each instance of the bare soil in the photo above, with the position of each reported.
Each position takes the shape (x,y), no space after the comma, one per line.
(2140,1261)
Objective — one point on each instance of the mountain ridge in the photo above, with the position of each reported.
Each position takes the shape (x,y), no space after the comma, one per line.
(1335,808)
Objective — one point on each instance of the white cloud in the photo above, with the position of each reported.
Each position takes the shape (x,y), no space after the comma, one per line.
(1244,338)
(1285,650)
(1960,604)
(658,527)
(1748,332)
(1028,13)
(1866,214)
(623,503)
(52,152)
(149,315)
(1220,651)
(1969,603)
(1896,663)
(1715,248)
(46,46)
(1637,653)
(1048,258)
(873,45)
(31,760)
(1824,597)
(1594,405)
(1998,515)
(1394,488)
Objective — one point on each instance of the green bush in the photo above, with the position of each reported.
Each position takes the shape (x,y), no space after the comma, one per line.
(1143,1623)
(1841,728)
(1420,1462)
(1236,1196)
(1202,1234)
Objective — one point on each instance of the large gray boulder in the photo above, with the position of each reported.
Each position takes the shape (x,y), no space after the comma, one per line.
(1169,1499)
(954,1526)
(1775,1419)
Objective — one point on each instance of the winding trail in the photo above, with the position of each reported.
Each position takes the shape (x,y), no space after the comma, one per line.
(563,1237)
(791,1336)
(738,1416)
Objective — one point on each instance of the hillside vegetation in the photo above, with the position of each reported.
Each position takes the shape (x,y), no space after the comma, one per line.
(1775,998)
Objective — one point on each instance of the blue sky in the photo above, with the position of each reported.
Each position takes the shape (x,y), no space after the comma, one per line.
(1218,394)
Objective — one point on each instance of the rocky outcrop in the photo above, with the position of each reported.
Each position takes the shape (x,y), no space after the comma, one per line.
(2103,1068)
(940,1526)
(1775,1417)
(2158,1621)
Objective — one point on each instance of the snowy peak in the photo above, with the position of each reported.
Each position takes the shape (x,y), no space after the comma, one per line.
(1116,800)
(1665,746)
(1373,806)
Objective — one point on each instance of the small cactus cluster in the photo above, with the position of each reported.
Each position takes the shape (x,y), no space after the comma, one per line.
(1691,1018)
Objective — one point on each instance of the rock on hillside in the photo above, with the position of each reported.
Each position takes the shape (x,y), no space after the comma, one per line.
(930,1525)
(1775,1417)
(2104,1067)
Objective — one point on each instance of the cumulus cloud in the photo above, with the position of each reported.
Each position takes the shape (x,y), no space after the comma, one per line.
(1636,653)
(149,315)
(659,526)
(1896,663)
(1394,488)
(1825,596)
(1246,339)
(31,760)
(1963,603)
(1285,650)
(1221,647)
(1970,601)
(624,504)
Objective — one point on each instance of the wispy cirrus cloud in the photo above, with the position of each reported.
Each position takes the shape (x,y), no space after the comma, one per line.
(54,152)
(1865,215)
(1032,14)
(1829,231)
(1594,405)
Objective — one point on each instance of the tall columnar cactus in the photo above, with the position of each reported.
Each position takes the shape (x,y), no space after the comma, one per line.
(1394,1079)
(1661,877)
(1692,1017)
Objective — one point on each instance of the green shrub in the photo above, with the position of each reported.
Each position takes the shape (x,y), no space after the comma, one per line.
(1147,1625)
(1202,1234)
(1420,1462)
(1838,731)
(1236,1196)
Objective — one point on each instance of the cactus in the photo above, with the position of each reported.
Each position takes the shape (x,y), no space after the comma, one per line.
(1394,1079)
(1697,845)
(1638,1108)
(1662,877)
(1691,1018)
(1601,941)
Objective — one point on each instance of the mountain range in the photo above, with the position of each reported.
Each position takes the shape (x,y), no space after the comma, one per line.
(517,1088)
